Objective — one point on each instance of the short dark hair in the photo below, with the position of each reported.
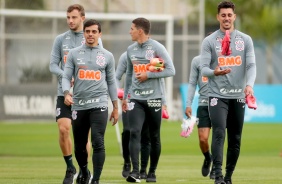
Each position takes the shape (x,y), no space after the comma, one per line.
(92,22)
(226,4)
(76,7)
(142,23)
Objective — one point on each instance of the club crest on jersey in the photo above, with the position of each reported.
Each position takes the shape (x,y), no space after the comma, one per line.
(213,102)
(74,115)
(100,60)
(149,54)
(239,45)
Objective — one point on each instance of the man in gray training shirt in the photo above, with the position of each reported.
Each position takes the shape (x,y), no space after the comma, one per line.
(62,44)
(145,91)
(204,124)
(145,139)
(231,68)
(93,69)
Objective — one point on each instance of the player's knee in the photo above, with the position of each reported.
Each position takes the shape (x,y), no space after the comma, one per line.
(219,133)
(203,140)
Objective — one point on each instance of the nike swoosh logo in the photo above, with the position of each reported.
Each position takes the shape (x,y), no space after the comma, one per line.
(156,110)
(103,109)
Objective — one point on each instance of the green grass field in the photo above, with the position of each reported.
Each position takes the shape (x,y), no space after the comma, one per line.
(30,154)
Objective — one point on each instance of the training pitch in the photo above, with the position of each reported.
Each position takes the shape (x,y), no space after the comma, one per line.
(30,154)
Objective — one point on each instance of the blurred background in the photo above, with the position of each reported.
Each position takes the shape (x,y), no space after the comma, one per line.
(29,27)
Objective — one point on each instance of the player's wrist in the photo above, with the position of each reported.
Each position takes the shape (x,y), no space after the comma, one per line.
(66,93)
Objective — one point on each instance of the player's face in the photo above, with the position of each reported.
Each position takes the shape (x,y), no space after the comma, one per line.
(92,35)
(75,20)
(226,18)
(134,32)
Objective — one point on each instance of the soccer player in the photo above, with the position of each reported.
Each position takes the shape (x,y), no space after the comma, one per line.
(145,139)
(145,92)
(228,60)
(204,124)
(61,46)
(93,69)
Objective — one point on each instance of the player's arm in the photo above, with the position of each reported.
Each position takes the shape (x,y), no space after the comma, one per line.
(250,66)
(121,68)
(128,77)
(169,69)
(67,78)
(54,65)
(193,79)
(112,87)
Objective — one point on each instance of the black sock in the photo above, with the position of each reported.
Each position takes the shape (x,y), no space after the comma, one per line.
(207,155)
(228,176)
(84,170)
(68,160)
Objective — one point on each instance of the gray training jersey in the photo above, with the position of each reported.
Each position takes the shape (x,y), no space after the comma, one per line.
(197,79)
(241,61)
(139,56)
(93,69)
(121,69)
(61,47)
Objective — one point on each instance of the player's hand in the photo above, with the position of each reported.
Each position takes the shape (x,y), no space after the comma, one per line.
(142,76)
(249,91)
(114,116)
(68,100)
(124,105)
(219,71)
(188,112)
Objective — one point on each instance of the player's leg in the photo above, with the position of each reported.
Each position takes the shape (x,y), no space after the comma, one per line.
(125,145)
(80,127)
(235,121)
(98,122)
(145,149)
(153,112)
(136,117)
(218,110)
(63,118)
(204,126)
(88,147)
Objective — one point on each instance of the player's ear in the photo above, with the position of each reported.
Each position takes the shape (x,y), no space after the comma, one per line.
(140,31)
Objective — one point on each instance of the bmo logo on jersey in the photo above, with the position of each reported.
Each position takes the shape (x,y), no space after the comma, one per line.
(89,74)
(225,91)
